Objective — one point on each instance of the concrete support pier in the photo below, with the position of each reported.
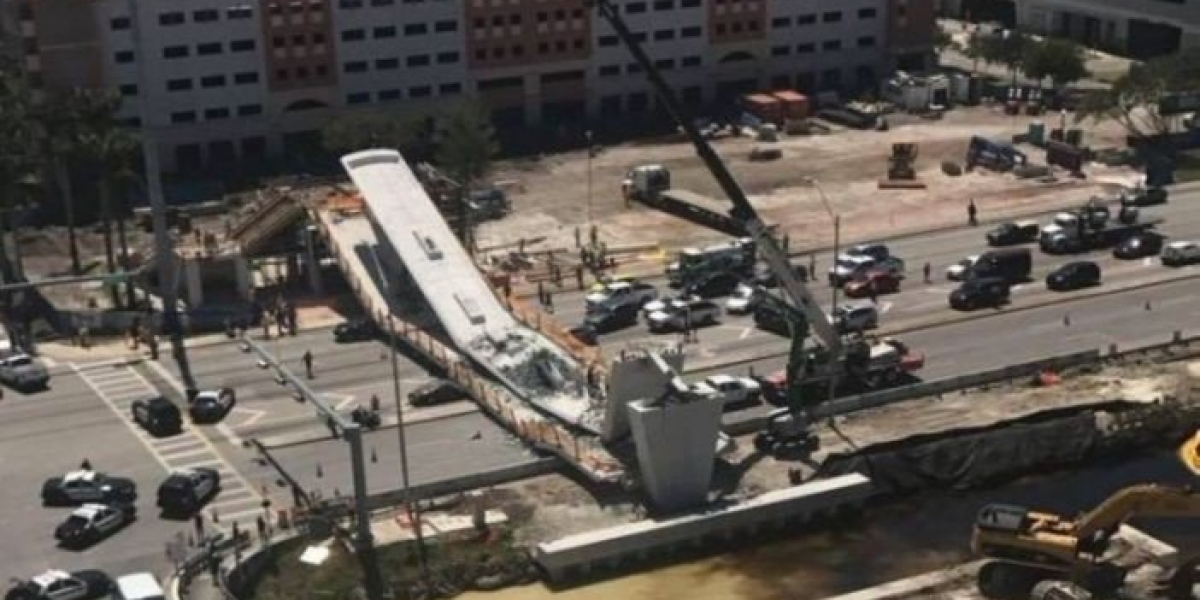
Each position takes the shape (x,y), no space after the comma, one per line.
(676,443)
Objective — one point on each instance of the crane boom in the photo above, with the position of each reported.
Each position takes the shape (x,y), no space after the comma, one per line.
(742,211)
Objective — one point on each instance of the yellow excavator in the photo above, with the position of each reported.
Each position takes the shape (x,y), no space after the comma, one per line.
(1027,546)
(1189,453)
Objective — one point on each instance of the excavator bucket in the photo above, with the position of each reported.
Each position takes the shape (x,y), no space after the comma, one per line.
(1190,454)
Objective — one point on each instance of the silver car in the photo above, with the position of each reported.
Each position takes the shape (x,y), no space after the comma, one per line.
(855,317)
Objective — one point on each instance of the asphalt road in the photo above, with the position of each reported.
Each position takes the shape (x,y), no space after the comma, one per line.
(49,433)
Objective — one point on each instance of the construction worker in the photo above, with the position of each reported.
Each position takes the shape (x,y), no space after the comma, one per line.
(972,213)
(579,276)
(872,293)
(308,363)
(152,341)
(927,270)
(374,402)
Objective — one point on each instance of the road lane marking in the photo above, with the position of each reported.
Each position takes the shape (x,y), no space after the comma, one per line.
(746,333)
(255,415)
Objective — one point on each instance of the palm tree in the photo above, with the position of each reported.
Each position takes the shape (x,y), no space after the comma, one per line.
(58,118)
(109,151)
(466,143)
(17,161)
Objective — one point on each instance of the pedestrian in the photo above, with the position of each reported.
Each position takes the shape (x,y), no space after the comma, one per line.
(812,265)
(261,524)
(972,213)
(872,293)
(374,402)
(577,240)
(579,276)
(557,274)
(308,363)
(927,270)
(198,523)
(549,301)
(787,242)
(152,341)
(594,235)
(266,325)
(521,246)
(541,293)
(86,465)
(507,287)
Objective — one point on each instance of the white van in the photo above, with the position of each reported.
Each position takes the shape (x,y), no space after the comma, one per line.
(139,586)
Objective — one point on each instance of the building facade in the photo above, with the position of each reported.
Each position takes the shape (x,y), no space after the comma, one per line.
(226,80)
(1139,29)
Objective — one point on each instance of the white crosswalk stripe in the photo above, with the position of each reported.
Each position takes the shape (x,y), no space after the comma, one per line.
(119,385)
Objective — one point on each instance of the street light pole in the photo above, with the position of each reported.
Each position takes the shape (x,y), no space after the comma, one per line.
(588,134)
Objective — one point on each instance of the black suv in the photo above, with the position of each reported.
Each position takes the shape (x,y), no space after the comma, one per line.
(980,292)
(713,286)
(605,320)
(1140,246)
(1074,275)
(438,391)
(185,492)
(354,330)
(158,416)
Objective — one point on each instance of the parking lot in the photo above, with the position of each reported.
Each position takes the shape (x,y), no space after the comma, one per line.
(48,433)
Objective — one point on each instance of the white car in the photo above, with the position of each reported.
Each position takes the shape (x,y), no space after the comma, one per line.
(667,304)
(1181,253)
(734,391)
(744,299)
(958,271)
(61,585)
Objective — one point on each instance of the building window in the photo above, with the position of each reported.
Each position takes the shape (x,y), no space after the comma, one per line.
(358,98)
(299,39)
(664,34)
(445,26)
(281,74)
(691,32)
(421,60)
(608,40)
(254,146)
(577,44)
(386,95)
(279,42)
(132,122)
(353,35)
(806,19)
(689,3)
(866,42)
(780,51)
(318,38)
(665,64)
(832,45)
(446,58)
(382,2)
(633,68)
(357,66)
(322,70)
(123,56)
(514,19)
(207,15)
(720,29)
(780,22)
(241,46)
(179,85)
(208,49)
(806,48)
(450,89)
(634,8)
(543,47)
(387,64)
(831,17)
(212,81)
(420,91)
(691,61)
(664,5)
(175,52)
(609,70)
(301,72)
(171,18)
(416,29)
(213,114)
(560,46)
(119,23)
(350,4)
(480,55)
(388,31)
(866,13)
(239,12)
(248,110)
(128,89)
(245,78)
(187,116)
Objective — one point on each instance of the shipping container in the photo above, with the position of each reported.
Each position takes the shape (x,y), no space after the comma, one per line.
(764,107)
(795,104)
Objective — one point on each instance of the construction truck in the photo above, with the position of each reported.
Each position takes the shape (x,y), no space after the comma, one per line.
(650,185)
(1092,227)
(998,156)
(737,256)
(887,363)
(1027,547)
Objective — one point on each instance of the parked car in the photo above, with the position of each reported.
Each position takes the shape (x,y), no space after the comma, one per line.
(855,317)
(1074,275)
(1141,245)
(608,280)
(60,585)
(93,522)
(696,314)
(616,295)
(713,286)
(1010,264)
(735,392)
(186,491)
(23,372)
(961,269)
(1142,196)
(602,319)
(874,283)
(1177,254)
(744,299)
(667,303)
(438,391)
(84,486)
(1007,234)
(875,250)
(211,406)
(851,266)
(355,330)
(158,416)
(979,292)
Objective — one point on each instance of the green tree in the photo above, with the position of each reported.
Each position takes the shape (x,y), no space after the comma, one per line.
(978,49)
(1133,100)
(1062,61)
(942,40)
(406,132)
(465,145)
(110,152)
(1008,49)
(18,160)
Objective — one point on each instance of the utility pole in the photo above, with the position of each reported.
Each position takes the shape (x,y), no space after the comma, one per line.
(164,251)
(588,135)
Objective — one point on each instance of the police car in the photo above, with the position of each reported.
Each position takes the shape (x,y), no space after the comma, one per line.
(61,585)
(212,405)
(83,486)
(185,491)
(92,522)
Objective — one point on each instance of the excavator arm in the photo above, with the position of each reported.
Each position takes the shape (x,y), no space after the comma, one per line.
(1189,453)
(742,212)
(1147,500)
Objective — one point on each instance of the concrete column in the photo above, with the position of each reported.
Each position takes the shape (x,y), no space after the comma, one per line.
(533,100)
(241,269)
(310,260)
(676,444)
(633,376)
(194,282)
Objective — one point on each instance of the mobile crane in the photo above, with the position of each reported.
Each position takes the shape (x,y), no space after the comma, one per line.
(804,315)
(1027,547)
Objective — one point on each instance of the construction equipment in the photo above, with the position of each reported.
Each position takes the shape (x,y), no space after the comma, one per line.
(805,316)
(1189,453)
(901,173)
(998,156)
(651,185)
(1027,547)
(1091,226)
(737,256)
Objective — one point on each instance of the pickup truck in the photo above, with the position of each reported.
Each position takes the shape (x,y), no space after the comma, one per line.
(22,371)
(621,294)
(697,313)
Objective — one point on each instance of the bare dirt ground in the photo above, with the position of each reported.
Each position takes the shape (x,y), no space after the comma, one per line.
(550,195)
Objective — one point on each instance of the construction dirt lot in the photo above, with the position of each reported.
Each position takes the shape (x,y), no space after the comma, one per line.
(550,193)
